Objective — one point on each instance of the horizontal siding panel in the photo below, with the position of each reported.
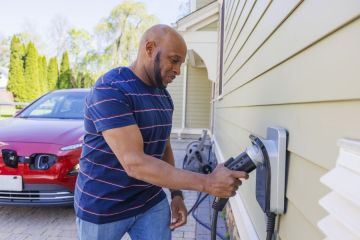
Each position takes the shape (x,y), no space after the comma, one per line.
(233,140)
(236,9)
(313,128)
(176,91)
(327,65)
(198,98)
(293,226)
(278,12)
(288,40)
(211,27)
(241,36)
(241,19)
(304,189)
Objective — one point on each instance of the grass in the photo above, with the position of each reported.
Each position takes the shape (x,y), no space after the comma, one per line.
(7,111)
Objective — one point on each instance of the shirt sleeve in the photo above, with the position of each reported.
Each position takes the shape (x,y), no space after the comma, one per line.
(108,108)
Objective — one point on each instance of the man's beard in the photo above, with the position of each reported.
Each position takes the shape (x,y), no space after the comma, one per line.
(157,72)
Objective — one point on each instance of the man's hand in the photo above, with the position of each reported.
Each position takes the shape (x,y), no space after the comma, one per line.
(178,212)
(223,182)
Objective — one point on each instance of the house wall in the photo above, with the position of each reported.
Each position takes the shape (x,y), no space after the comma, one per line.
(293,64)
(176,91)
(198,98)
(211,27)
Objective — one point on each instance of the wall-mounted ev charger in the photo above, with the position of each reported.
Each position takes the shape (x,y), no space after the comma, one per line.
(268,157)
(270,176)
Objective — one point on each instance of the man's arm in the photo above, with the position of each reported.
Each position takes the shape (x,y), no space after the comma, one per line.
(127,144)
(168,154)
(178,208)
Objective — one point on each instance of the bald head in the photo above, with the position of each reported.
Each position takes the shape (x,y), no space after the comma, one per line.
(162,50)
(161,34)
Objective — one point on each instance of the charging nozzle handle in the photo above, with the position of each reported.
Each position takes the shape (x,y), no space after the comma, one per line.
(241,163)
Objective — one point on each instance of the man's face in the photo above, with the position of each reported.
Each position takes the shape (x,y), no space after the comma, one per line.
(167,63)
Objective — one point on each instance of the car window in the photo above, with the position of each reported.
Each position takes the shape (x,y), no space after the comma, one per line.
(62,104)
(47,107)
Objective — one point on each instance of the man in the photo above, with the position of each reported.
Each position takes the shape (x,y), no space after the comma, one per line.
(127,156)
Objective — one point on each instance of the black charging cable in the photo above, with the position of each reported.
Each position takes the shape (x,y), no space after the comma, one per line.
(270,226)
(198,201)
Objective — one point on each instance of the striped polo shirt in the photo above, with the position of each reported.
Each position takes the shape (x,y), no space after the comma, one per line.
(104,192)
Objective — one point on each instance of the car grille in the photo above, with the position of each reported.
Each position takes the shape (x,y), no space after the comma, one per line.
(35,195)
(47,195)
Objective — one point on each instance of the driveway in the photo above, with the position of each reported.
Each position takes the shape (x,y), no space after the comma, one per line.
(58,223)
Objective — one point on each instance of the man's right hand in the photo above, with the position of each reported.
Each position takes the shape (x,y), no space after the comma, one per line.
(223,182)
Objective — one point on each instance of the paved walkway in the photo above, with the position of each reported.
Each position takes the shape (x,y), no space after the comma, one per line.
(58,223)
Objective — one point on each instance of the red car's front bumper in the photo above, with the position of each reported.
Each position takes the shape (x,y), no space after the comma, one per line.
(53,186)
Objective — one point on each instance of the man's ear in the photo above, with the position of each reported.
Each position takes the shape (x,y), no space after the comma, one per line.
(150,48)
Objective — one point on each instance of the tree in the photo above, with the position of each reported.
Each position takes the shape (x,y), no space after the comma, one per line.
(16,83)
(4,51)
(31,73)
(84,80)
(42,74)
(65,72)
(121,31)
(79,41)
(52,74)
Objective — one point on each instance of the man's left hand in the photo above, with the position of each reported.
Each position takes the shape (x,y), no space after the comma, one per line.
(178,212)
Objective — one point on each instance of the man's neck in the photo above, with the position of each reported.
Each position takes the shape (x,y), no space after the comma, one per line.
(141,73)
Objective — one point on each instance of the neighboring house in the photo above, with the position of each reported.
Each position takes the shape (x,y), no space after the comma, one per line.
(192,90)
(293,64)
(3,78)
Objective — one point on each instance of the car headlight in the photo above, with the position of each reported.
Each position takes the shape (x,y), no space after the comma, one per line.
(74,170)
(71,147)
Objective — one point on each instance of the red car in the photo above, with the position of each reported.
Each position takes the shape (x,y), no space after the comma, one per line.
(40,149)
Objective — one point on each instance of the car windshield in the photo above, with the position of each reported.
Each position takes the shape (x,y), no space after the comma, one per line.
(60,105)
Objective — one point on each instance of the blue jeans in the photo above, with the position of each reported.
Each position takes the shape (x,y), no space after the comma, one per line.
(150,225)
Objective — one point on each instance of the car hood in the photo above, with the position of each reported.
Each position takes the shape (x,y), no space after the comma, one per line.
(56,131)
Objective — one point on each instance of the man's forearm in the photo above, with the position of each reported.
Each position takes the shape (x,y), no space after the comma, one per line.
(160,173)
(168,154)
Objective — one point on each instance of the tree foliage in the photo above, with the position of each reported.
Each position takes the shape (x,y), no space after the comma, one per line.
(52,74)
(84,57)
(84,80)
(16,83)
(65,72)
(31,73)
(4,51)
(121,30)
(42,74)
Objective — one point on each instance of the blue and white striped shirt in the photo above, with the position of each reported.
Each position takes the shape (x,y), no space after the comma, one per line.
(104,192)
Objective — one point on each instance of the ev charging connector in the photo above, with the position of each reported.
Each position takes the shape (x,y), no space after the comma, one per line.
(268,157)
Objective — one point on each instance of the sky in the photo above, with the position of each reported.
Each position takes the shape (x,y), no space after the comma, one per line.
(37,16)
(17,15)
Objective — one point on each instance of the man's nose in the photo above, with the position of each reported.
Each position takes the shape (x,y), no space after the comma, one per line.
(176,69)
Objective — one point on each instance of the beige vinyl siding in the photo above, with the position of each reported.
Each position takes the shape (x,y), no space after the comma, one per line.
(293,64)
(198,98)
(211,27)
(176,91)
